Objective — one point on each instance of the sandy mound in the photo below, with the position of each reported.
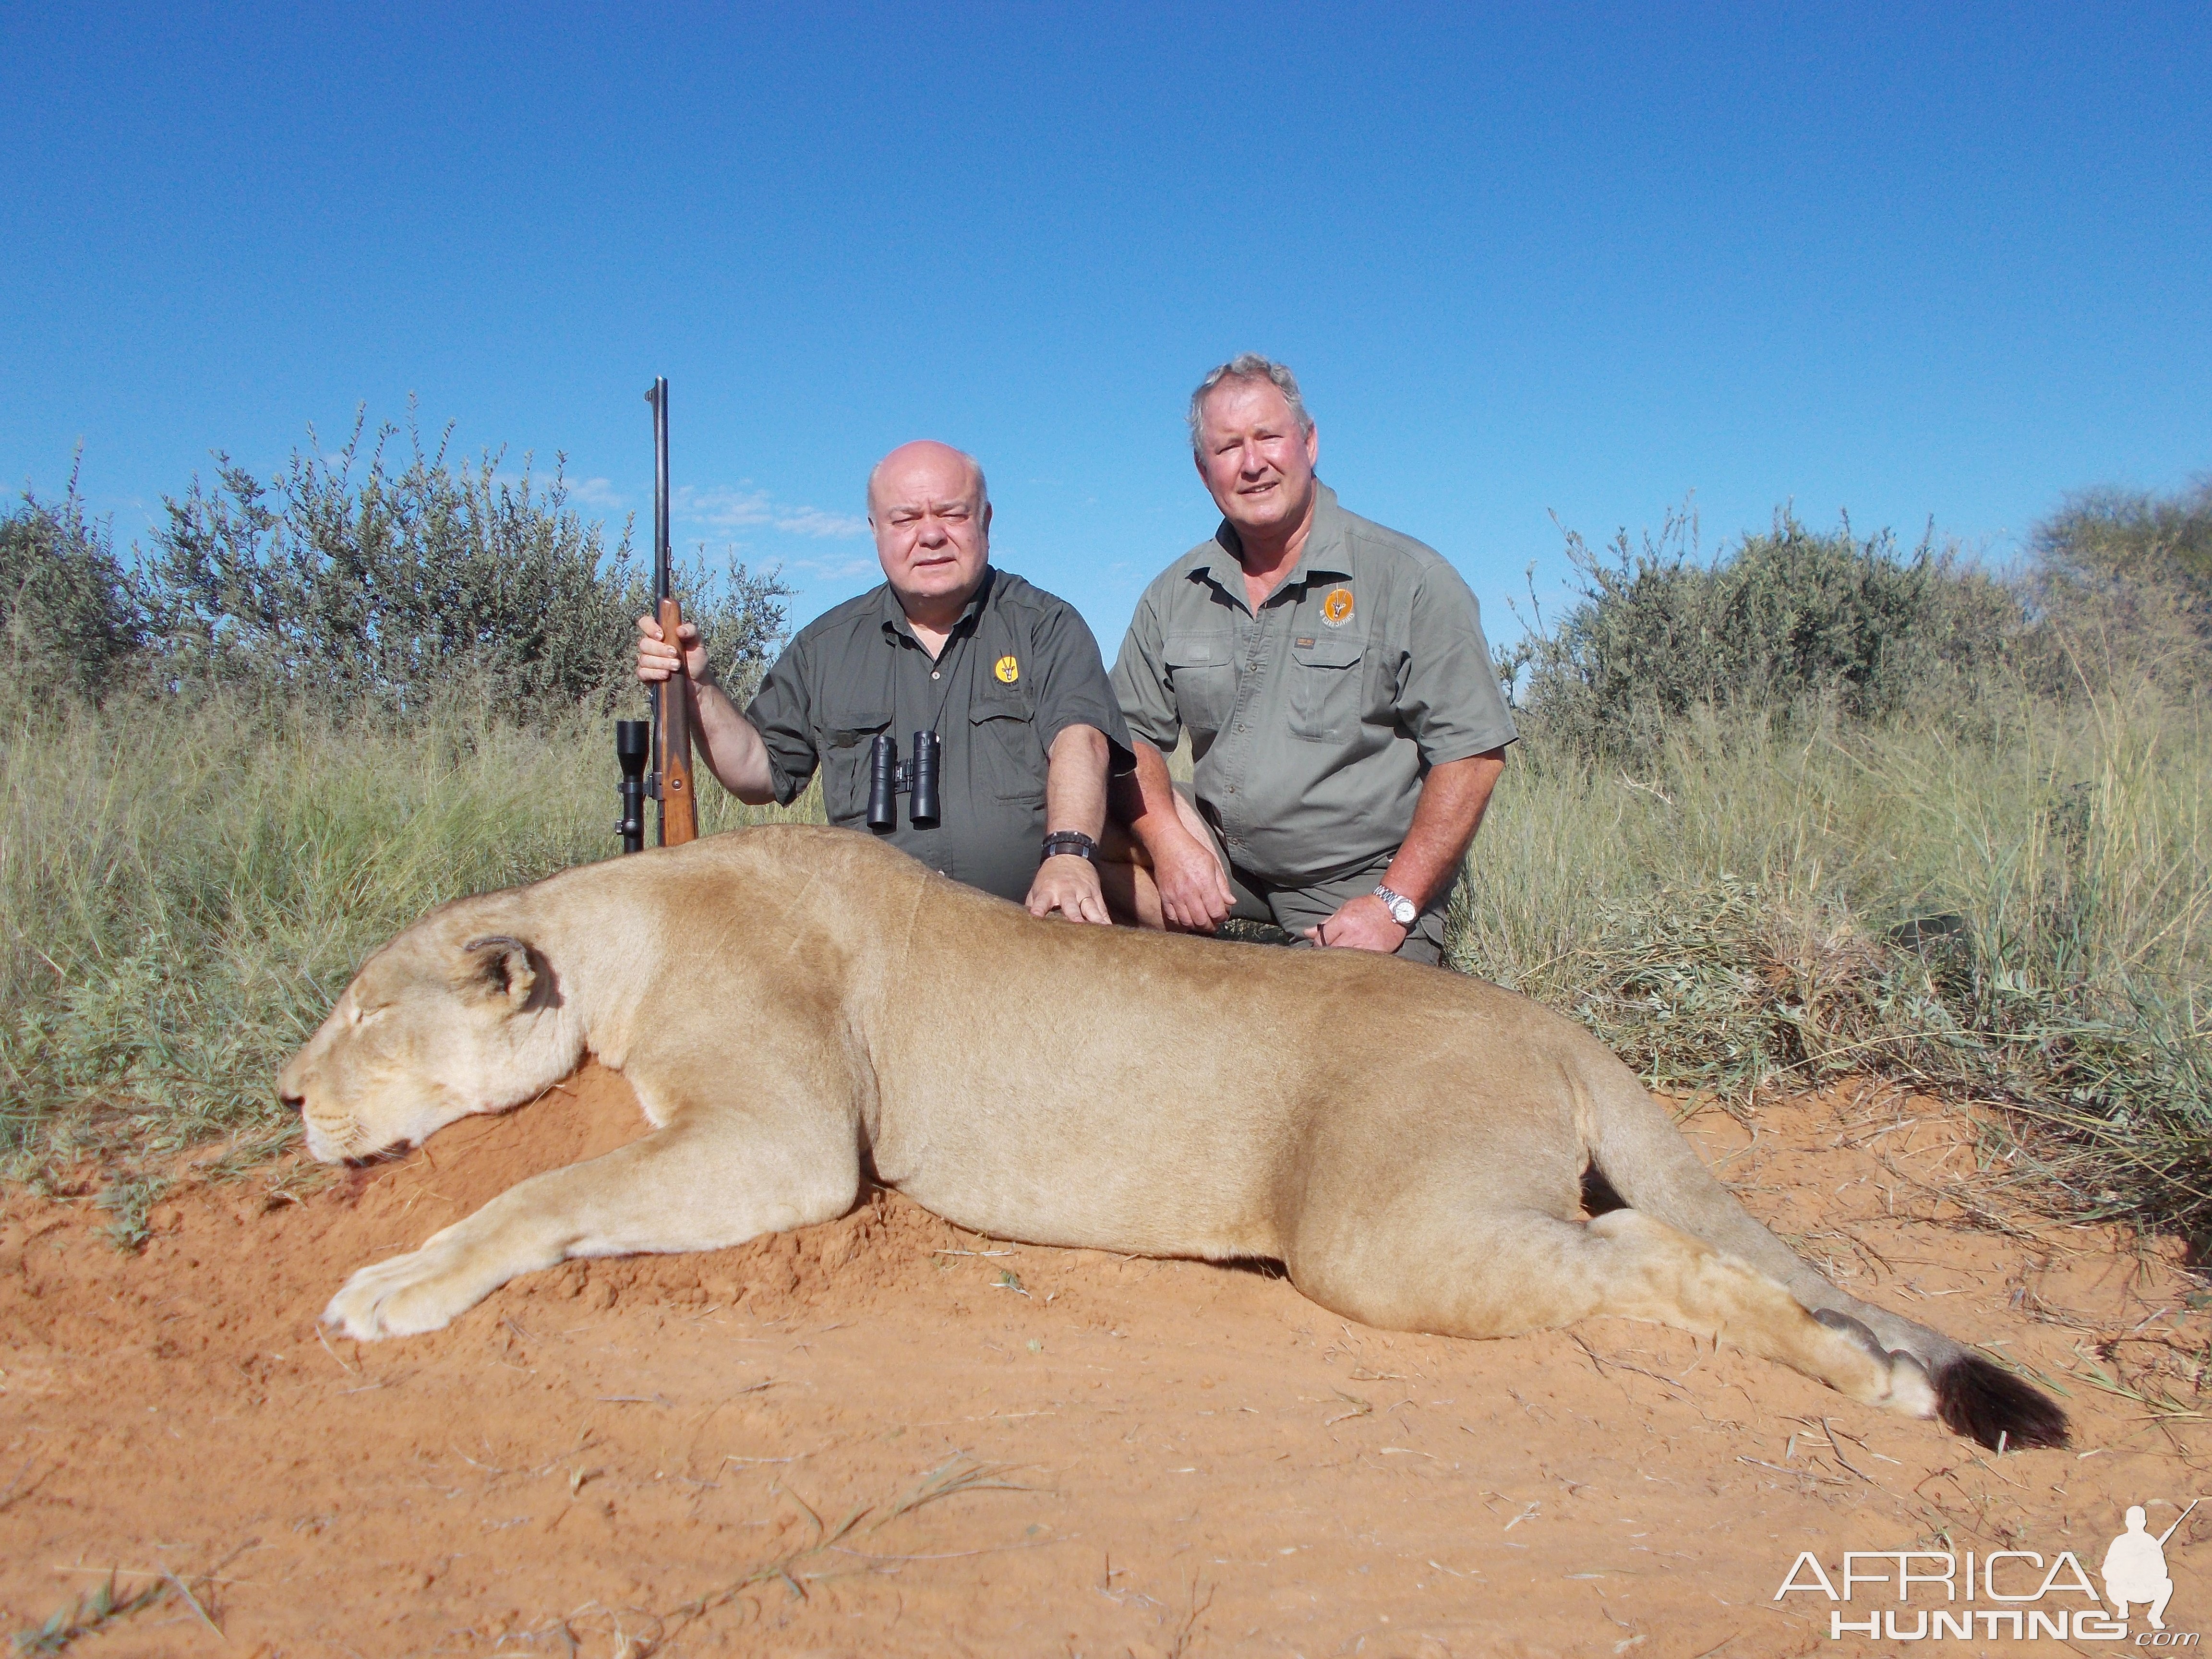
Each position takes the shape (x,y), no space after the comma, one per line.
(884,1436)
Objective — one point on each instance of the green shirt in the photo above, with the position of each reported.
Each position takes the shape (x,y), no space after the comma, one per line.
(1314,722)
(1018,668)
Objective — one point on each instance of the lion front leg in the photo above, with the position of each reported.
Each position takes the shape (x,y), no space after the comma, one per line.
(686,1187)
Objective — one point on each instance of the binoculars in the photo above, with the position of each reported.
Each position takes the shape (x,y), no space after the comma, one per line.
(888,778)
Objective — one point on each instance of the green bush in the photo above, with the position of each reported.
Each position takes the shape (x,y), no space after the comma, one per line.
(355,585)
(2126,578)
(68,615)
(1791,621)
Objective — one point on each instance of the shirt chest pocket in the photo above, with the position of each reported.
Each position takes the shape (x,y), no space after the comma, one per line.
(1009,755)
(1202,680)
(1325,688)
(849,734)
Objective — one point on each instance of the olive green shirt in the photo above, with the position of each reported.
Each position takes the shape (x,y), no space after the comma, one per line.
(1018,668)
(1313,723)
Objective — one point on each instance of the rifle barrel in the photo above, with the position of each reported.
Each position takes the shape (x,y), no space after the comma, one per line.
(2177,1520)
(672,749)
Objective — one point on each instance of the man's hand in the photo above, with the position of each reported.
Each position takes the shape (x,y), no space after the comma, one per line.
(1195,896)
(1067,882)
(657,659)
(725,739)
(1362,924)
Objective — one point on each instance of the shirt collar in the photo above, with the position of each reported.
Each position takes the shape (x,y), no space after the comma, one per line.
(1322,553)
(894,618)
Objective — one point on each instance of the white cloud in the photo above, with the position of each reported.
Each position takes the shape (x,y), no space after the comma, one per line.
(835,570)
(719,509)
(812,521)
(595,492)
(724,509)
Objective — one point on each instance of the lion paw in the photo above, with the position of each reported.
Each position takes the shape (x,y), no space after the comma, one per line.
(1910,1389)
(425,1289)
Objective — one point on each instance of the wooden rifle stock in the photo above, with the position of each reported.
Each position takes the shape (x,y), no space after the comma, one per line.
(672,739)
(679,814)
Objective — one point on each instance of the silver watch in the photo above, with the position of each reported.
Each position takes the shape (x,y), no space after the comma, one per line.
(1402,909)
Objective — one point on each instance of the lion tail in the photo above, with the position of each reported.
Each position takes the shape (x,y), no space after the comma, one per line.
(1635,1148)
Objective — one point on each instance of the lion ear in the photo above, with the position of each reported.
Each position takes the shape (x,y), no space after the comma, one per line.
(499,966)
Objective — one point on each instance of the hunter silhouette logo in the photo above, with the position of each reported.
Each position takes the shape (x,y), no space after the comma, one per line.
(2135,1567)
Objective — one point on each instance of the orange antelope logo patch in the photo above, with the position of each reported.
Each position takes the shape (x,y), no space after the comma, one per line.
(1336,609)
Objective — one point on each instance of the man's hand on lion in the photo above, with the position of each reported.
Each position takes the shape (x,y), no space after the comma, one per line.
(1067,882)
(657,659)
(1195,896)
(1363,924)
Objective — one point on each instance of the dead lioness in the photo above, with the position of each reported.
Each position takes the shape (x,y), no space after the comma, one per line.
(788,1002)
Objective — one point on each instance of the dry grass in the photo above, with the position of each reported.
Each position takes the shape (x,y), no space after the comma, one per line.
(185,888)
(2016,915)
(2019,919)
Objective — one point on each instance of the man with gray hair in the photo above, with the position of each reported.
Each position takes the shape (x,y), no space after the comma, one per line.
(1346,721)
(1003,679)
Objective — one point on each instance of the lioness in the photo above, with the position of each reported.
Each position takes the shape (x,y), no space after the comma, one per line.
(792,1003)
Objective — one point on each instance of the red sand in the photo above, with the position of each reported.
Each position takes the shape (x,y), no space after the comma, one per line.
(1172,1458)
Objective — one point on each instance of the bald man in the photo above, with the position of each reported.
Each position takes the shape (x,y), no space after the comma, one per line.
(1007,678)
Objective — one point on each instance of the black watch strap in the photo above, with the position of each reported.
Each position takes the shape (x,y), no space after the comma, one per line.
(1069,840)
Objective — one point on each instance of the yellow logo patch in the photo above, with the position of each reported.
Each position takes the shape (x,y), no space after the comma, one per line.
(1336,609)
(1007,670)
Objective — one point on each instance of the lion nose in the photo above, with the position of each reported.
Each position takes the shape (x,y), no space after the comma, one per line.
(294,1103)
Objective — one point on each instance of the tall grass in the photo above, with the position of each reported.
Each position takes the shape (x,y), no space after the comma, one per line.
(2024,917)
(185,884)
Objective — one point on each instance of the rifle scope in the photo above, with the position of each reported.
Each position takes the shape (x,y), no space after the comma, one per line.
(633,743)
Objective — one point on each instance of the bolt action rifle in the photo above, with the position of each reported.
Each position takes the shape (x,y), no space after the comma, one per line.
(667,741)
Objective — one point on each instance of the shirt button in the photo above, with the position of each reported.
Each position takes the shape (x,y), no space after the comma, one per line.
(936,674)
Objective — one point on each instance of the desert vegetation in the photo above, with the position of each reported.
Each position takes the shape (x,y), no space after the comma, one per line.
(1820,806)
(1815,804)
(238,762)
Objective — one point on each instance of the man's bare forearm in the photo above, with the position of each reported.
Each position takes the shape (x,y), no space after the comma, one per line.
(1454,796)
(729,745)
(1075,781)
(1145,798)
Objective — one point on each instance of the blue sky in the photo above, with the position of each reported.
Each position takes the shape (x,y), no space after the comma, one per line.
(1950,262)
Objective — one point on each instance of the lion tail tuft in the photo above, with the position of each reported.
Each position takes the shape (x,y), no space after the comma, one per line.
(1987,1404)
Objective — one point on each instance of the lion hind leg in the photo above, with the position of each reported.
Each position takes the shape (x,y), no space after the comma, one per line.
(1527,1270)
(697,1188)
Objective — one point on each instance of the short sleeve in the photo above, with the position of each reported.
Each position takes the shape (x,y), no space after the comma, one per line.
(783,712)
(1140,679)
(1449,700)
(1072,689)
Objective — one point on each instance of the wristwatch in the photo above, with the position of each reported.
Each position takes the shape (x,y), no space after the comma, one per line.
(1069,840)
(1402,909)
